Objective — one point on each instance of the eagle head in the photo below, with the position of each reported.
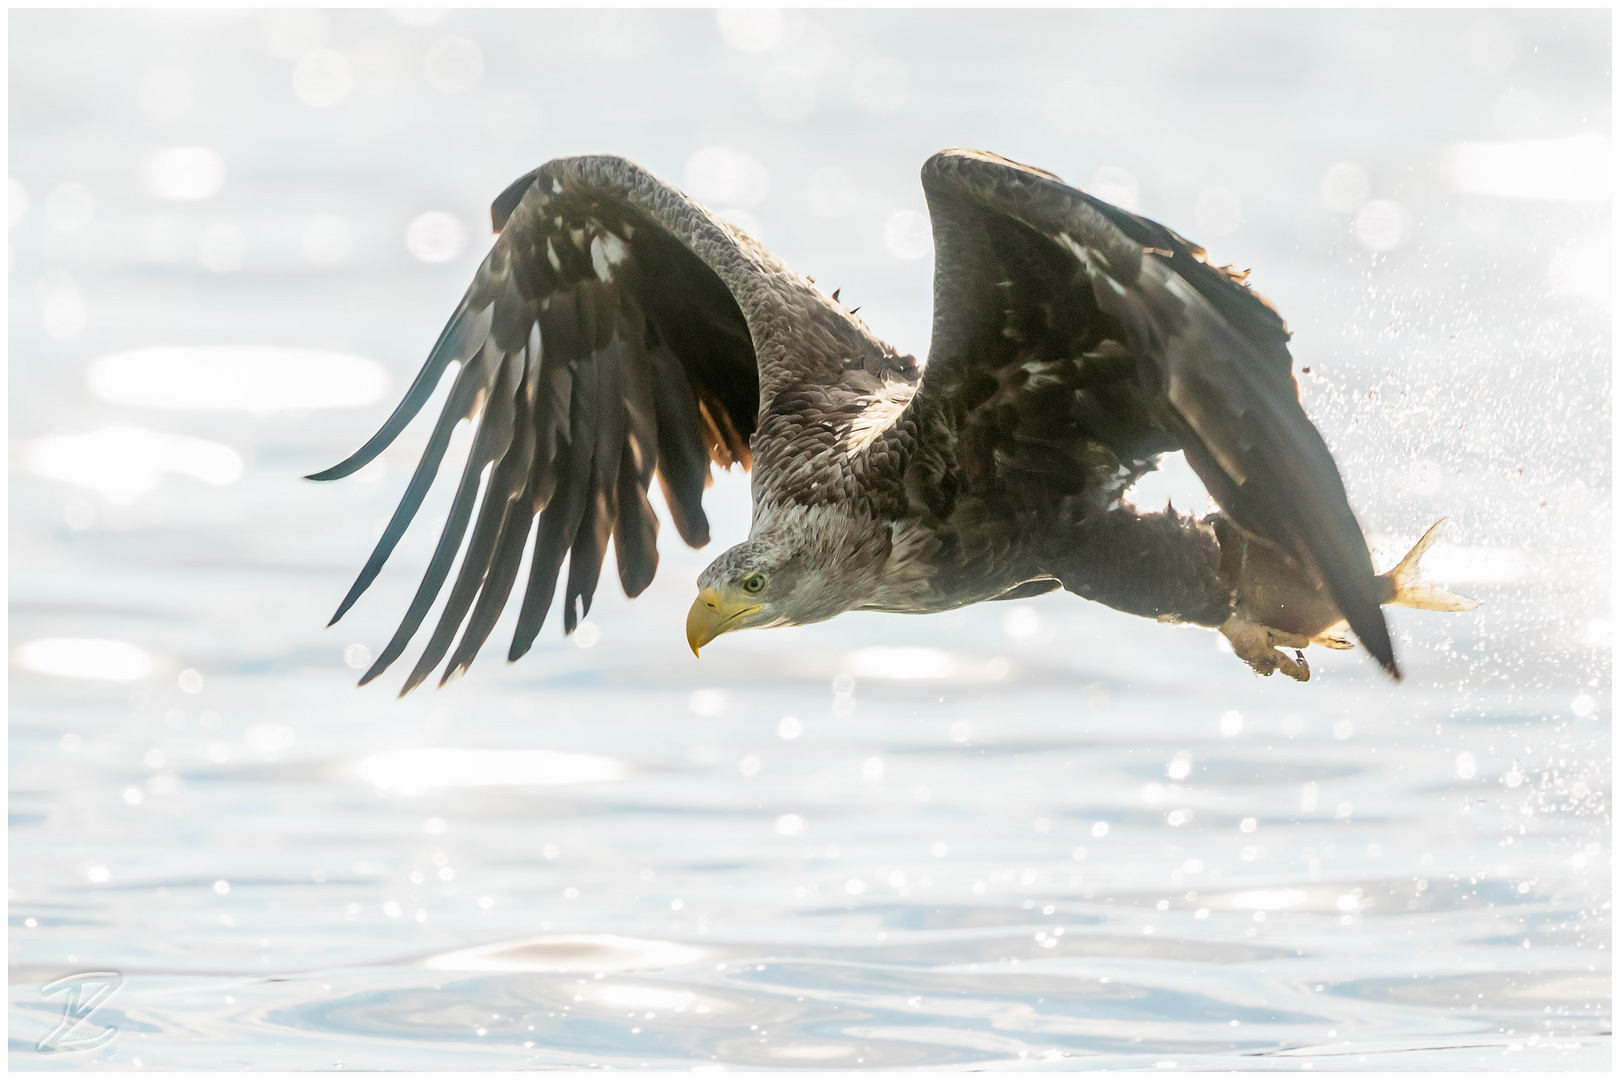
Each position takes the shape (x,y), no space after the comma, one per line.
(784,577)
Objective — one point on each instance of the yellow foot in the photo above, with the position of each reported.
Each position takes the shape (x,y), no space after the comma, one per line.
(1257,645)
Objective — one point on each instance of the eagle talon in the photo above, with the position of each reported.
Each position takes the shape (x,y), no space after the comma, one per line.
(1256,645)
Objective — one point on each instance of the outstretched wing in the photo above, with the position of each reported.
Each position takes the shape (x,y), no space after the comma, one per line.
(601,343)
(1160,350)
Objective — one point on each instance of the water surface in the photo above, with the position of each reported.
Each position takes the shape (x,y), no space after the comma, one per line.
(1029,835)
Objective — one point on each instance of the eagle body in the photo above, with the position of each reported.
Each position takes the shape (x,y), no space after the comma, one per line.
(902,541)
(618,332)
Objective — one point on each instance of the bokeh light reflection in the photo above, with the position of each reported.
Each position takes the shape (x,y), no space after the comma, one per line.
(1577,168)
(416,770)
(322,78)
(86,658)
(750,30)
(254,378)
(124,463)
(436,236)
(184,173)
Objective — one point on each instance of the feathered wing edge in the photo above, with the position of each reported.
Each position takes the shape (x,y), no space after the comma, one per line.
(1219,356)
(579,402)
(1262,459)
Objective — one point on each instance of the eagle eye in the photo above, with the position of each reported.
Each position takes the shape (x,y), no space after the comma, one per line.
(753,583)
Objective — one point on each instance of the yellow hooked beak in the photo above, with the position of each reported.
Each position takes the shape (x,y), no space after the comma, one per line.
(712,615)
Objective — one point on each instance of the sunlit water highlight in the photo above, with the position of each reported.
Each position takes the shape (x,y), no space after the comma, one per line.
(1576,169)
(888,662)
(123,463)
(412,772)
(85,658)
(253,378)
(570,952)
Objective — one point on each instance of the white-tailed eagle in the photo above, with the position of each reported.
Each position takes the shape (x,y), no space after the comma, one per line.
(618,332)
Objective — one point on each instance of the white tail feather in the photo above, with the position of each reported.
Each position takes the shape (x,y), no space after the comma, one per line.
(1412,592)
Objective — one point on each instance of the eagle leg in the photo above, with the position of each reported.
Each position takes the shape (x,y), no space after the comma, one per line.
(1256,645)
(1160,565)
(1276,603)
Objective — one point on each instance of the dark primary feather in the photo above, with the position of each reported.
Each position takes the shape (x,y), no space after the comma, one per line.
(597,350)
(1056,312)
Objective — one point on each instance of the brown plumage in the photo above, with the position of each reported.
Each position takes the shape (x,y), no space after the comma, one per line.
(617,331)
